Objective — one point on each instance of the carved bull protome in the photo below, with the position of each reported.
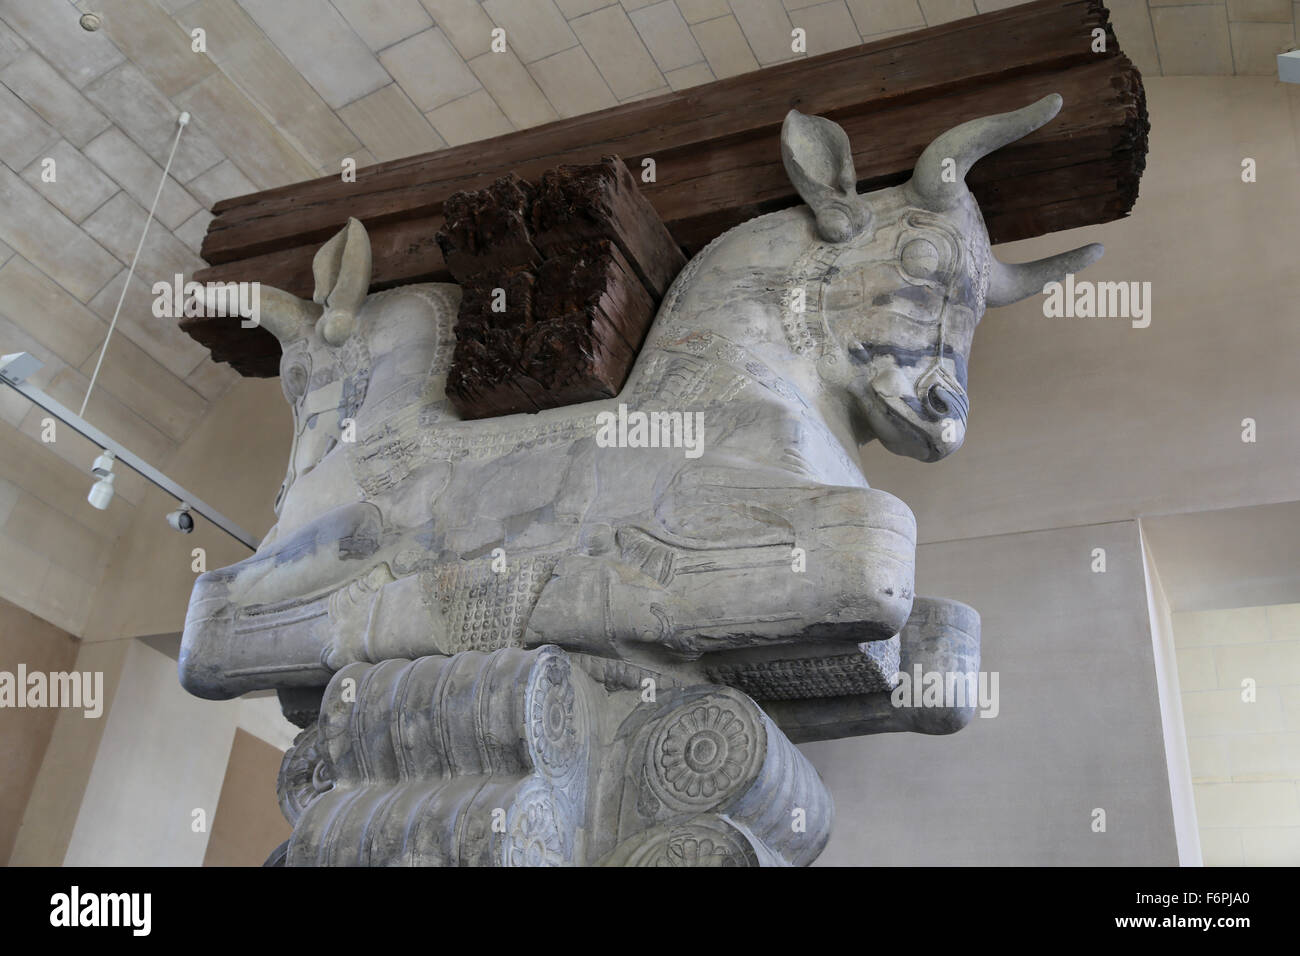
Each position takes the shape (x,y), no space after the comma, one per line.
(502,592)
(799,336)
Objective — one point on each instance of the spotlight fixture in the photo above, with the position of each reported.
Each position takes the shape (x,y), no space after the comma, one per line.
(90,22)
(181,520)
(101,492)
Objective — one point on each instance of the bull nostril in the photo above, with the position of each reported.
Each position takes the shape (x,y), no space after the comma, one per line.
(937,398)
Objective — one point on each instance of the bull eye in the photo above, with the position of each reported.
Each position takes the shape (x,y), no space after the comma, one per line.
(920,258)
(295,381)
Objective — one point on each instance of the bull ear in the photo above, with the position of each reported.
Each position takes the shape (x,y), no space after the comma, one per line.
(819,162)
(342,271)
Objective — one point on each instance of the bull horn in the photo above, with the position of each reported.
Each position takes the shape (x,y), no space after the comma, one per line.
(968,143)
(281,313)
(1011,282)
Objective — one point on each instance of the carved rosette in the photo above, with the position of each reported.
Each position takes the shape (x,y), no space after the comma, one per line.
(539,829)
(557,720)
(304,775)
(706,841)
(704,753)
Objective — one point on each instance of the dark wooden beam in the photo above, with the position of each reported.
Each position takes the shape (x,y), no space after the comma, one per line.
(717,156)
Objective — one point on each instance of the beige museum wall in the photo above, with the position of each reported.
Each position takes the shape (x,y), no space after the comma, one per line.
(1077,726)
(1080,421)
(25,733)
(1244,748)
(235,460)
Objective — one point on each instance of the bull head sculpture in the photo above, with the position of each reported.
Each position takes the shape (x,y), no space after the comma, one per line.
(916,275)
(314,374)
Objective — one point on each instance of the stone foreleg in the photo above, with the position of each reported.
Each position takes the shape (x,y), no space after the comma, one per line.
(844,571)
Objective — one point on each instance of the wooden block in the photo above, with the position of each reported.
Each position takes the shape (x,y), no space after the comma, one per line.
(572,339)
(602,201)
(488,230)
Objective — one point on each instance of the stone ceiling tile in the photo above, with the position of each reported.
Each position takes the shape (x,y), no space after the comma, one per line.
(361,156)
(631,5)
(725,47)
(107,414)
(689,76)
(988,6)
(57,101)
(429,70)
(220,182)
(879,16)
(534,28)
(78,189)
(155,43)
(58,472)
(1192,40)
(667,36)
(616,48)
(319,42)
(25,135)
(133,169)
(117,225)
(829,26)
(469,119)
(321,137)
(696,11)
(572,83)
(49,240)
(1132,23)
(147,388)
(58,535)
(212,379)
(1260,10)
(264,155)
(48,313)
(513,88)
(11,45)
(50,26)
(389,125)
(576,8)
(464,23)
(161,338)
(945,11)
(13,406)
(271,82)
(132,101)
(192,230)
(1255,46)
(767,27)
(383,24)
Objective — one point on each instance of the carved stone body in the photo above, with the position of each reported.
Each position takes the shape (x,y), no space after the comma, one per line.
(758,558)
